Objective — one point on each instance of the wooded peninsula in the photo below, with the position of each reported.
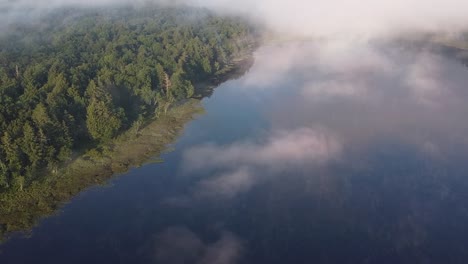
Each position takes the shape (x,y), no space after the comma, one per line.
(81,89)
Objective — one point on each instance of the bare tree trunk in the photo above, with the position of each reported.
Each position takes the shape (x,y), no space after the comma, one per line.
(167,82)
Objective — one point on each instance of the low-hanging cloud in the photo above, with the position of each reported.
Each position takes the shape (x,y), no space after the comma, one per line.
(361,70)
(365,17)
(311,18)
(364,90)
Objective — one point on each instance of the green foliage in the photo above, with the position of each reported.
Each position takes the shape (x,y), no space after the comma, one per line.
(102,121)
(84,76)
(20,209)
(3,175)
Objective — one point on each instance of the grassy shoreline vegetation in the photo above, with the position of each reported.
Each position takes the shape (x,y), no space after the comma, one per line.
(19,211)
(87,94)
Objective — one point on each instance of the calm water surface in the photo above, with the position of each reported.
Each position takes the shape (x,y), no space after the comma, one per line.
(321,153)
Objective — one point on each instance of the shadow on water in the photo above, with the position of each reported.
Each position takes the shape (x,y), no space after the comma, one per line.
(236,70)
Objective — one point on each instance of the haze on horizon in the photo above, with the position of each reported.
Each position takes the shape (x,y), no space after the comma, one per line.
(363,18)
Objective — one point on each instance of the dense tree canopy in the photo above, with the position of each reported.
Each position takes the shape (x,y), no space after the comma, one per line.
(80,77)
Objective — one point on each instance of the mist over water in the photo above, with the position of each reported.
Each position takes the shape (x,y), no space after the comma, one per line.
(349,148)
(324,152)
(361,160)
(352,18)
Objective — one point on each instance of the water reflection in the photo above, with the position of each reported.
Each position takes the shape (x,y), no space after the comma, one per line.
(363,159)
(179,245)
(240,166)
(325,152)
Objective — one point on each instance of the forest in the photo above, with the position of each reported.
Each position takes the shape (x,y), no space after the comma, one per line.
(80,77)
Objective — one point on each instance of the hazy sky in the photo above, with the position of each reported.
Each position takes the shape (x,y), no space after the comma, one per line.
(319,17)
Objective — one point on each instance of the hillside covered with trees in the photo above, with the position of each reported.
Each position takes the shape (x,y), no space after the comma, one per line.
(80,77)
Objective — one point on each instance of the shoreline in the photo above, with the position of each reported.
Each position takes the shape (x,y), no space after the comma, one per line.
(20,211)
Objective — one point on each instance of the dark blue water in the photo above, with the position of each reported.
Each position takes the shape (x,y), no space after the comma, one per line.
(321,153)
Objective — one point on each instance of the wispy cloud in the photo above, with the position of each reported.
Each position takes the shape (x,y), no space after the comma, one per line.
(364,17)
(227,184)
(366,89)
(245,164)
(178,245)
(282,148)
(359,70)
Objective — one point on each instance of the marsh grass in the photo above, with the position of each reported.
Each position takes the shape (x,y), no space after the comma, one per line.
(143,143)
(20,211)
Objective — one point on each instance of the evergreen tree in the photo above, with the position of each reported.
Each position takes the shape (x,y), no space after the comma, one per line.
(92,78)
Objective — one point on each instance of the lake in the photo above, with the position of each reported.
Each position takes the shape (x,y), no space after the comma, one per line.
(323,152)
